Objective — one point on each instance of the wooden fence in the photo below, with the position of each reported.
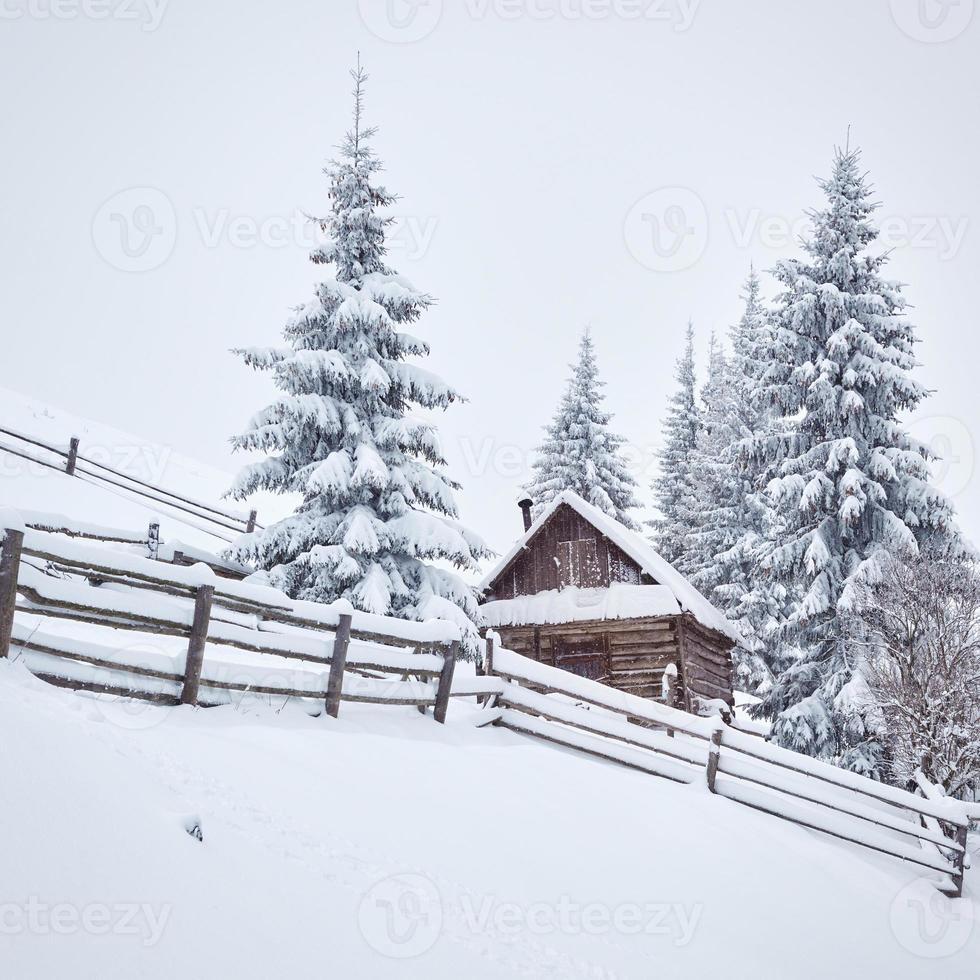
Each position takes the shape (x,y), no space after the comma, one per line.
(548,703)
(243,638)
(174,553)
(78,465)
(308,650)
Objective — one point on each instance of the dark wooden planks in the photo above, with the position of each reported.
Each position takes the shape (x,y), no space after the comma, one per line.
(638,651)
(593,560)
(708,662)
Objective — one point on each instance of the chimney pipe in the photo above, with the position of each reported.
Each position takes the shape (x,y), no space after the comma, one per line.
(525,504)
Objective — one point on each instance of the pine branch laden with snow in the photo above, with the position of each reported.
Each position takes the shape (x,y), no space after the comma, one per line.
(850,485)
(377,506)
(675,493)
(733,528)
(581,453)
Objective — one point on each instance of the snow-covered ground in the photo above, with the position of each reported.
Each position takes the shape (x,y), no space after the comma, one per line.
(381,844)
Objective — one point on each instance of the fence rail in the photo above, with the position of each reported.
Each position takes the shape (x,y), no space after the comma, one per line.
(175,553)
(306,650)
(78,465)
(539,700)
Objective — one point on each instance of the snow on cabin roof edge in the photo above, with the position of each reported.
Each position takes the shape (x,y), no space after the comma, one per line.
(644,554)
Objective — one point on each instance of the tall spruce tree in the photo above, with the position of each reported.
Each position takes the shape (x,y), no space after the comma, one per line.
(674,492)
(377,507)
(851,485)
(715,503)
(581,453)
(735,525)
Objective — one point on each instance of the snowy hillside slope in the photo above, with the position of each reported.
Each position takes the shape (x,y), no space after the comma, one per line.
(29,486)
(382,845)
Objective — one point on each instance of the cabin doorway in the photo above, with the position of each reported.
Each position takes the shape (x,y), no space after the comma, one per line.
(585,658)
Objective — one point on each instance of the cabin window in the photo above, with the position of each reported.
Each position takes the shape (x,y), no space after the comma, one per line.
(578,565)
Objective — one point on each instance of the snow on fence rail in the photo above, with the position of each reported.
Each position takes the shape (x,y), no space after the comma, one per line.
(78,465)
(174,552)
(549,703)
(307,650)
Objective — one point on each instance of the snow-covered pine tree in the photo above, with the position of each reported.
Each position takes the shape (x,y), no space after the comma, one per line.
(851,485)
(710,472)
(673,490)
(580,451)
(734,527)
(377,507)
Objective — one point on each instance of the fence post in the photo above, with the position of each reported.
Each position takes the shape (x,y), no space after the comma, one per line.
(416,651)
(72,456)
(153,541)
(445,682)
(338,660)
(253,517)
(714,754)
(667,691)
(13,542)
(195,646)
(484,668)
(959,861)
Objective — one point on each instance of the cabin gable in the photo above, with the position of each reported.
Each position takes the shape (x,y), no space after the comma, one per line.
(567,550)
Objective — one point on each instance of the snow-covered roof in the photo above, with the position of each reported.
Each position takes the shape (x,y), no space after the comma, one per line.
(685,595)
(574,605)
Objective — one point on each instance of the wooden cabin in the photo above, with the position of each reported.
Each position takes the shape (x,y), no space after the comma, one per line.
(583,592)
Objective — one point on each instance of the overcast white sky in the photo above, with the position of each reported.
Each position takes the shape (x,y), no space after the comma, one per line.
(617,163)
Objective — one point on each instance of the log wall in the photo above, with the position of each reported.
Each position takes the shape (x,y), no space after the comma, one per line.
(635,653)
(706,661)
